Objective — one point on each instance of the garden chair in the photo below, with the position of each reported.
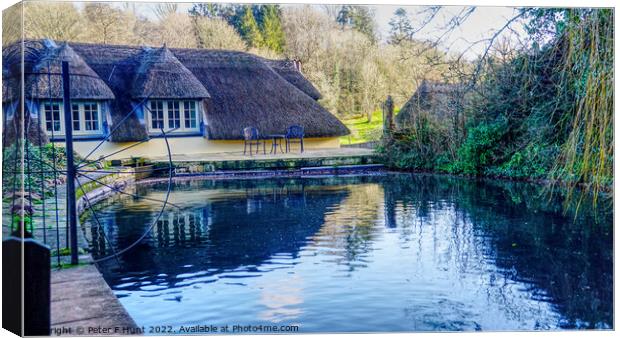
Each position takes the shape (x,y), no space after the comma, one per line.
(294,134)
(251,137)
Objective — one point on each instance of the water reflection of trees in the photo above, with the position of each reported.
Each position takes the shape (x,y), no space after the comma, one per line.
(566,257)
(351,227)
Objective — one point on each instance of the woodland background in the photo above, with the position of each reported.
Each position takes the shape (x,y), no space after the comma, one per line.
(537,105)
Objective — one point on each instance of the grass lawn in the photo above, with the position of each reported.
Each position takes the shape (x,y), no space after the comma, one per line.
(363,131)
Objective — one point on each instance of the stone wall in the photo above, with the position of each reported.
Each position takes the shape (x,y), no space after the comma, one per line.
(111,183)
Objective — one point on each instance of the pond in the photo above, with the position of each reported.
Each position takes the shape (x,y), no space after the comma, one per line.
(397,252)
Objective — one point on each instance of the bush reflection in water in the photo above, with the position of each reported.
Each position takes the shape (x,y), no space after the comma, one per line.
(381,253)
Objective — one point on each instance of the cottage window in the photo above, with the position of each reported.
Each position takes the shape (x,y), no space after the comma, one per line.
(75,111)
(175,116)
(86,118)
(157,115)
(51,113)
(91,116)
(189,108)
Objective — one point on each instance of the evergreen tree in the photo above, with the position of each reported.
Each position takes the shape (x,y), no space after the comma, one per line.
(364,22)
(229,13)
(401,28)
(273,35)
(360,18)
(345,16)
(209,10)
(249,29)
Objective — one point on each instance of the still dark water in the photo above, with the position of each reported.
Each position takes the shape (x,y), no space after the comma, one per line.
(397,252)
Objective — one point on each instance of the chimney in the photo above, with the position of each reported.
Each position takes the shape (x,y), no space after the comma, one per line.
(297,65)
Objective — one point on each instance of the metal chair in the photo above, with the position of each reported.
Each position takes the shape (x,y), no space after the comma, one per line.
(252,137)
(294,134)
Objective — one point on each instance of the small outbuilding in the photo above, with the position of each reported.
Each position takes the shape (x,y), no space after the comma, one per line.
(437,99)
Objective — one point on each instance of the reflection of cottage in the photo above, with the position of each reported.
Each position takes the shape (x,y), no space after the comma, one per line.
(438,100)
(211,231)
(201,98)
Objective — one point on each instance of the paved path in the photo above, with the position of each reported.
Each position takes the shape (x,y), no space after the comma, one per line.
(82,302)
(238,156)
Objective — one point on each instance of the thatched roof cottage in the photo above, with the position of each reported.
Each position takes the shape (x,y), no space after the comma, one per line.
(437,99)
(202,98)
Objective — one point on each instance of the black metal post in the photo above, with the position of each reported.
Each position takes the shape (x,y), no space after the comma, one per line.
(26,287)
(71,207)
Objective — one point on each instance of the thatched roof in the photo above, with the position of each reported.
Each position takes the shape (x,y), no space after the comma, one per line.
(238,89)
(12,63)
(118,65)
(85,83)
(245,91)
(161,75)
(291,72)
(12,59)
(435,98)
(10,88)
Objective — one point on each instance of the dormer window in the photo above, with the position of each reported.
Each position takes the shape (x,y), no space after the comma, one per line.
(86,118)
(174,116)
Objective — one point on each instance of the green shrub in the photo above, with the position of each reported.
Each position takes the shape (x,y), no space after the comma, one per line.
(17,222)
(534,161)
(479,150)
(416,148)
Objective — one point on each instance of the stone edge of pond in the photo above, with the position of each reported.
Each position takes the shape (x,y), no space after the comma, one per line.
(82,303)
(322,171)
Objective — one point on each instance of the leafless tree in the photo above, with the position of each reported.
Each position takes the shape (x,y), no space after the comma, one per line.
(104,22)
(12,24)
(57,21)
(163,10)
(332,11)
(216,33)
(175,30)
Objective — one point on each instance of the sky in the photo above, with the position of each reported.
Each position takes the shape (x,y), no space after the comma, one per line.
(480,25)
